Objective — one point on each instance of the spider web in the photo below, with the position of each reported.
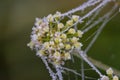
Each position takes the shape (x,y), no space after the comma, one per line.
(94,15)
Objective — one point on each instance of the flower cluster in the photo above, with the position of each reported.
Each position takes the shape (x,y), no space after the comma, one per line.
(110,75)
(55,40)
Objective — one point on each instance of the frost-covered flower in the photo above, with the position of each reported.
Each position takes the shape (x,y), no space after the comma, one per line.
(38,22)
(79,33)
(61,45)
(67,46)
(57,40)
(46,45)
(71,31)
(54,40)
(31,44)
(67,56)
(75,18)
(41,53)
(50,18)
(69,23)
(52,43)
(57,15)
(115,78)
(109,71)
(63,36)
(74,39)
(60,25)
(57,55)
(78,45)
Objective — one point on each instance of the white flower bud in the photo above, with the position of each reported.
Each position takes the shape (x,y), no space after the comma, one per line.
(75,18)
(41,53)
(57,40)
(57,15)
(115,78)
(50,18)
(67,56)
(34,37)
(52,43)
(31,44)
(57,34)
(71,31)
(63,36)
(46,29)
(57,55)
(77,45)
(79,33)
(69,23)
(74,40)
(109,71)
(67,46)
(61,45)
(46,45)
(38,22)
(60,25)
(51,35)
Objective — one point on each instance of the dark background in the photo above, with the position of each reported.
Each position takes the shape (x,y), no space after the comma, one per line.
(18,62)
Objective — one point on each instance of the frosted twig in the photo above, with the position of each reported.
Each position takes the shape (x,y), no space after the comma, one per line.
(83,56)
(103,66)
(100,19)
(90,36)
(82,69)
(82,7)
(73,71)
(91,20)
(100,28)
(52,74)
(94,10)
(88,14)
(88,69)
(59,73)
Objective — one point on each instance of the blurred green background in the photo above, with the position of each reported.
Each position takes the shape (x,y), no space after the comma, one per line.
(18,62)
